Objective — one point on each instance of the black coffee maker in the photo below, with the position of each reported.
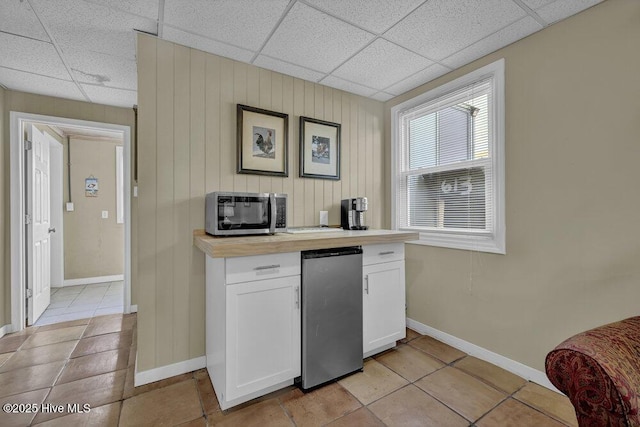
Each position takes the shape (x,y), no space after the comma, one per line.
(352,213)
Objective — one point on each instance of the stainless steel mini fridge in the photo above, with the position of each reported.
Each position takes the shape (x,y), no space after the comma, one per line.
(331,314)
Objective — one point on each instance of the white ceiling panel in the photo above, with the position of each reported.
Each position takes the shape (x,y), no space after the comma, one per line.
(98,68)
(32,56)
(42,85)
(382,96)
(381,64)
(18,18)
(562,9)
(243,23)
(288,69)
(146,8)
(536,4)
(341,84)
(92,27)
(111,96)
(421,77)
(207,45)
(495,41)
(315,40)
(440,28)
(373,15)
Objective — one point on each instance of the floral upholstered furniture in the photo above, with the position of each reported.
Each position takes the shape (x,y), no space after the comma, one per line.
(599,370)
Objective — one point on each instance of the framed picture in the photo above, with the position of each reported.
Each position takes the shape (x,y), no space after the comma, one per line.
(262,141)
(319,149)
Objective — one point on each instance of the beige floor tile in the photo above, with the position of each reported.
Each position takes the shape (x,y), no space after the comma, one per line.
(373,383)
(361,417)
(207,394)
(512,413)
(109,324)
(94,364)
(100,343)
(198,422)
(39,355)
(54,336)
(4,357)
(162,383)
(129,383)
(491,374)
(172,405)
(410,335)
(320,406)
(95,391)
(438,349)
(103,416)
(410,363)
(267,413)
(463,393)
(554,404)
(61,325)
(31,378)
(411,406)
(22,418)
(10,343)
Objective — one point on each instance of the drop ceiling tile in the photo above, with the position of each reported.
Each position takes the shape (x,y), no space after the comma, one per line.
(419,78)
(202,43)
(341,84)
(111,96)
(18,18)
(561,9)
(98,68)
(315,40)
(537,4)
(373,15)
(440,28)
(495,41)
(42,85)
(92,27)
(381,64)
(32,56)
(288,69)
(146,8)
(243,23)
(382,96)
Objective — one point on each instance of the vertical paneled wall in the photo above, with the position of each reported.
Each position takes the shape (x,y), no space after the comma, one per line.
(187,148)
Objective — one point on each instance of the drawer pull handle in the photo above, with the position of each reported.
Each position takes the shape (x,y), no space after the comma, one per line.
(366,284)
(387,253)
(267,267)
(297,296)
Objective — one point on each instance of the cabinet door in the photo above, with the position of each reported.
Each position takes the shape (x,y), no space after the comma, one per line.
(262,334)
(383,307)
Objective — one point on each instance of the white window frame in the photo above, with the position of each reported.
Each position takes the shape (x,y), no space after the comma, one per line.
(471,240)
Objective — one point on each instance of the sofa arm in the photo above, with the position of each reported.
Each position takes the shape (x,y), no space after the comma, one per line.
(599,370)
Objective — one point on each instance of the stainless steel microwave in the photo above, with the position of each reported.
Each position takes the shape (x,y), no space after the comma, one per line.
(236,214)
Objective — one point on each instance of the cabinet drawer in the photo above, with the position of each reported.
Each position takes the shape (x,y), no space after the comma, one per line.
(259,267)
(386,252)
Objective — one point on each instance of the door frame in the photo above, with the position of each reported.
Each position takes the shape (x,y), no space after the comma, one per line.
(56,172)
(17,191)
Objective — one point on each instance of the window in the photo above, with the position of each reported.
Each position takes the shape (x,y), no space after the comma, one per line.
(448,163)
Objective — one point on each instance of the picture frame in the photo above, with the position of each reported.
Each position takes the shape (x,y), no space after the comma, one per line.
(262,140)
(319,149)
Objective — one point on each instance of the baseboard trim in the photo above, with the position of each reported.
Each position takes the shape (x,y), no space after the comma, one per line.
(6,329)
(510,365)
(92,280)
(168,371)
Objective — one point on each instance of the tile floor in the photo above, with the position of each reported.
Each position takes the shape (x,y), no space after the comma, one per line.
(83,301)
(421,382)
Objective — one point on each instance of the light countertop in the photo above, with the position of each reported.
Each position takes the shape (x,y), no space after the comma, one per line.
(225,247)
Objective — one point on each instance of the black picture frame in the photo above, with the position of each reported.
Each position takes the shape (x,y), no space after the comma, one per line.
(320,144)
(262,141)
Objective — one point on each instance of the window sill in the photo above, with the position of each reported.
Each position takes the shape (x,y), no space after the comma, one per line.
(471,243)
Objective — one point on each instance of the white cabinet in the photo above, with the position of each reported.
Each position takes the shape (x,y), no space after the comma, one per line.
(252,326)
(384,319)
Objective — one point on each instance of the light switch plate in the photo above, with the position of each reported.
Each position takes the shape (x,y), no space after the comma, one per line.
(70,207)
(105,214)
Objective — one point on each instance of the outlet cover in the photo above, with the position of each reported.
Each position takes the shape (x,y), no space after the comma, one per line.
(105,214)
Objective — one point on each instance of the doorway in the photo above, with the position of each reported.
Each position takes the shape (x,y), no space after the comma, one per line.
(22,274)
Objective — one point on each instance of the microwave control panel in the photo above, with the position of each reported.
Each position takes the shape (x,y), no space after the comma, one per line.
(281,213)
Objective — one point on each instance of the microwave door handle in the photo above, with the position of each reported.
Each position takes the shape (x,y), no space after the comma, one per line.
(272,222)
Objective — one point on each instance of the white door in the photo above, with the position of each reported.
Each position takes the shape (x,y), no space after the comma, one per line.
(38,225)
